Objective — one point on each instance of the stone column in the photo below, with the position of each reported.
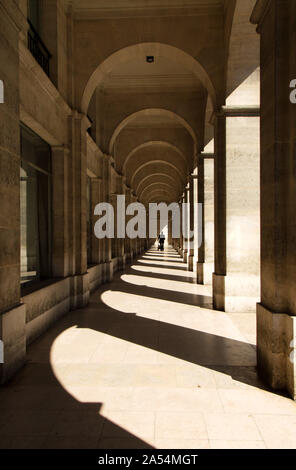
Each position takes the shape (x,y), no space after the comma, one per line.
(120,241)
(181,248)
(195,219)
(220,212)
(191,220)
(205,266)
(237,238)
(78,124)
(60,229)
(185,218)
(205,263)
(12,313)
(106,183)
(96,255)
(276,313)
(128,242)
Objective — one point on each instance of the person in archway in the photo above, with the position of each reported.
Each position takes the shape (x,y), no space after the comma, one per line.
(161,239)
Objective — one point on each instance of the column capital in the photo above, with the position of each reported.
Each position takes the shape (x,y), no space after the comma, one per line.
(207,155)
(60,148)
(235,111)
(85,122)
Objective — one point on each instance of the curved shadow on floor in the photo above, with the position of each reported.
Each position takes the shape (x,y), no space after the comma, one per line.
(36,411)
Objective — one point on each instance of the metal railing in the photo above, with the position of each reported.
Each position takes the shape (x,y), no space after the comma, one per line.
(38,49)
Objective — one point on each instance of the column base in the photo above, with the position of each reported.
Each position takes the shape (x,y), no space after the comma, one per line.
(276,357)
(190,261)
(80,291)
(200,273)
(218,292)
(120,263)
(109,271)
(13,346)
(204,273)
(236,293)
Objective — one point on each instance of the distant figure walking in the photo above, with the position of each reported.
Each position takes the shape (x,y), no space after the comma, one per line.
(161,239)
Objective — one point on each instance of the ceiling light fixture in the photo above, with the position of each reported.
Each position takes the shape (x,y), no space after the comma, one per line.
(150,59)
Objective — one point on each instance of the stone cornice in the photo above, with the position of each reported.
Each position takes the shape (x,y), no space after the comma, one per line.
(259,12)
(90,10)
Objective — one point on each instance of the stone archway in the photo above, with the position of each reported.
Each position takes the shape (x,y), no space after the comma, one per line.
(137,51)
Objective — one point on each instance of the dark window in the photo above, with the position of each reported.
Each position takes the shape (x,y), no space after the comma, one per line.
(33,13)
(35,201)
(35,43)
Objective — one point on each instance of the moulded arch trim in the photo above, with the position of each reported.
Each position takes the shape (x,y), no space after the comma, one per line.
(157,174)
(150,112)
(157,193)
(154,143)
(159,184)
(137,51)
(156,161)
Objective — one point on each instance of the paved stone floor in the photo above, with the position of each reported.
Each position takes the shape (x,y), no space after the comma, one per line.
(147,364)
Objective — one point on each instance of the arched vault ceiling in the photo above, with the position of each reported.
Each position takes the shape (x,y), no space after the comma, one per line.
(159,195)
(155,153)
(152,168)
(132,136)
(160,51)
(158,178)
(154,147)
(152,165)
(157,185)
(165,116)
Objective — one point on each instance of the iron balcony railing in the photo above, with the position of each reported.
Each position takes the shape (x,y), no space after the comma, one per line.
(38,49)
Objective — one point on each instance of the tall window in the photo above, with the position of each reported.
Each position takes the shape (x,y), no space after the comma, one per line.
(33,13)
(35,43)
(35,201)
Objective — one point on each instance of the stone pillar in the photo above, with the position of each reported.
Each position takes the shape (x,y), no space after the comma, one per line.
(276,313)
(135,242)
(120,241)
(237,237)
(128,242)
(106,183)
(96,255)
(185,218)
(181,248)
(60,235)
(199,244)
(77,215)
(220,212)
(195,219)
(170,227)
(191,220)
(12,313)
(205,266)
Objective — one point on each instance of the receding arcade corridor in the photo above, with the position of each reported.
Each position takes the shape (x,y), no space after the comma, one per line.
(148,363)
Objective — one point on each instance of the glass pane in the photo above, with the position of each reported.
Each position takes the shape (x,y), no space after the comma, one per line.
(35,200)
(29,225)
